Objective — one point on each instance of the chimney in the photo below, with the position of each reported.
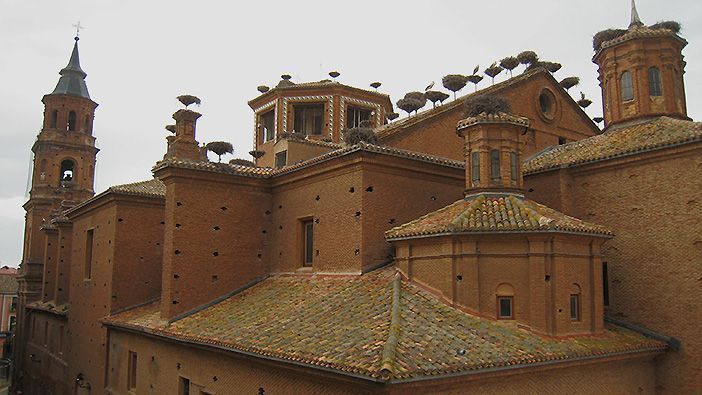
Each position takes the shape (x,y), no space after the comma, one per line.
(493,152)
(183,145)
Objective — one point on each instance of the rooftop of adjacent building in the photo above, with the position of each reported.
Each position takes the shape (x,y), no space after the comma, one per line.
(376,326)
(624,139)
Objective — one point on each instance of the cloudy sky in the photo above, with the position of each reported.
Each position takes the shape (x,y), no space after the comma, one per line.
(139,55)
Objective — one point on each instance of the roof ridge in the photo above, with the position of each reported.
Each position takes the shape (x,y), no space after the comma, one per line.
(389,356)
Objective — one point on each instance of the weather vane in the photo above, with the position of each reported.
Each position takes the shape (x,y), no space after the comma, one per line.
(78,27)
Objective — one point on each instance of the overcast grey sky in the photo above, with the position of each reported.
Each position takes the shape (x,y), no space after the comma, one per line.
(139,55)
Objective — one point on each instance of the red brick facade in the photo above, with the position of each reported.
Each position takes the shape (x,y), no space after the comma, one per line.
(110,283)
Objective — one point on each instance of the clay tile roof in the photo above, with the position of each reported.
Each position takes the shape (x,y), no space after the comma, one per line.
(258,172)
(8,283)
(493,213)
(152,187)
(289,85)
(375,326)
(619,140)
(379,149)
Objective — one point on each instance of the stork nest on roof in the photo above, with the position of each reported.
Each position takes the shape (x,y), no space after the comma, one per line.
(488,104)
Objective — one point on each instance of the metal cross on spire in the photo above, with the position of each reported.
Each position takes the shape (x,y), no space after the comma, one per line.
(78,27)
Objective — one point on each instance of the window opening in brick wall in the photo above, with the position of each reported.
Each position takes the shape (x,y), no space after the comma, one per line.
(281,159)
(575,307)
(132,371)
(513,166)
(308,242)
(627,86)
(605,284)
(183,386)
(475,166)
(355,116)
(495,164)
(71,126)
(309,119)
(505,311)
(88,267)
(654,82)
(267,126)
(67,167)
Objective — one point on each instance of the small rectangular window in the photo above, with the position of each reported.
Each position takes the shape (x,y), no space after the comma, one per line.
(495,164)
(575,307)
(281,159)
(309,119)
(605,283)
(88,268)
(183,386)
(475,166)
(513,166)
(308,236)
(267,125)
(46,334)
(504,306)
(132,369)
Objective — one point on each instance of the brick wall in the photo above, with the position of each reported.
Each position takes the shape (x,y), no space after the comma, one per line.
(540,269)
(436,135)
(653,203)
(216,229)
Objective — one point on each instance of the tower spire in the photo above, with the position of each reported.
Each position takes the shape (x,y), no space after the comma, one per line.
(635,20)
(72,81)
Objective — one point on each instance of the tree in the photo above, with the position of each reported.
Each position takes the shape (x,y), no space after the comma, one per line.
(509,63)
(454,83)
(220,148)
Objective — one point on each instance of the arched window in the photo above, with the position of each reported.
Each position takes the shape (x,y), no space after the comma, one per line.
(654,82)
(495,164)
(42,170)
(575,302)
(54,118)
(87,123)
(72,121)
(505,301)
(627,86)
(475,166)
(67,169)
(513,166)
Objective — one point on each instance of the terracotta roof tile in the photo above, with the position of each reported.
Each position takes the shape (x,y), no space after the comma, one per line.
(375,325)
(493,213)
(619,140)
(153,187)
(258,172)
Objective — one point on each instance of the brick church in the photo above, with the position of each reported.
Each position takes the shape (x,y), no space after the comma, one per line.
(523,250)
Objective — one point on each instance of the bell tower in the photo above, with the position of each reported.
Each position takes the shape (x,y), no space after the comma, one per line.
(64,154)
(641,70)
(62,176)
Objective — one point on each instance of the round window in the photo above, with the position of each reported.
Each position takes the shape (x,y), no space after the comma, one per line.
(547,105)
